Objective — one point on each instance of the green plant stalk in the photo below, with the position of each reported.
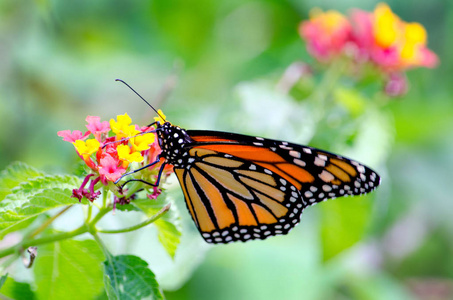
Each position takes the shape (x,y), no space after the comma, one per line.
(90,227)
(140,225)
(326,86)
(48,222)
(133,188)
(44,240)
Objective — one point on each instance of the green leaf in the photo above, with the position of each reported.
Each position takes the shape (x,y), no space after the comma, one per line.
(3,279)
(128,277)
(69,268)
(168,226)
(35,185)
(343,223)
(15,290)
(13,175)
(35,197)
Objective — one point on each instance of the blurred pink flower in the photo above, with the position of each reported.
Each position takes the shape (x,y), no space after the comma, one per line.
(392,44)
(326,33)
(396,85)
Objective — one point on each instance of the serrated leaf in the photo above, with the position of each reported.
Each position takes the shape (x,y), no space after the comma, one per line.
(343,223)
(16,290)
(168,226)
(13,175)
(20,207)
(47,182)
(128,277)
(69,268)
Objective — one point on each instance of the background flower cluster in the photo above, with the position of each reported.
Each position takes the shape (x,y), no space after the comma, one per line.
(379,38)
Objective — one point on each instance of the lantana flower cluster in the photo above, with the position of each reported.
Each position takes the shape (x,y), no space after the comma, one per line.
(379,37)
(111,149)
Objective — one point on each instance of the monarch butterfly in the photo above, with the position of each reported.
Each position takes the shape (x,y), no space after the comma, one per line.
(241,188)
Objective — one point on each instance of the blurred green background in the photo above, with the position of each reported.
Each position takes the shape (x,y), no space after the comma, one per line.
(213,65)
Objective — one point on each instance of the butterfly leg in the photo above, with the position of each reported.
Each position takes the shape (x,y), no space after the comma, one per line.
(144,181)
(139,169)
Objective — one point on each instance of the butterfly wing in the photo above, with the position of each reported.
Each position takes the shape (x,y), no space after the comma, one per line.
(240,187)
(231,199)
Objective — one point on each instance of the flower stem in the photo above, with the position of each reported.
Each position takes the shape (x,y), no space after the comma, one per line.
(98,217)
(140,225)
(101,244)
(56,237)
(48,222)
(326,86)
(44,240)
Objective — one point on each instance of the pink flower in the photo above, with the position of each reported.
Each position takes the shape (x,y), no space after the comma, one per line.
(155,194)
(110,169)
(74,136)
(89,193)
(326,34)
(396,85)
(392,44)
(97,127)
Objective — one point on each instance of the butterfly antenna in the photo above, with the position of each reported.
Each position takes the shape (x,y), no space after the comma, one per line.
(142,98)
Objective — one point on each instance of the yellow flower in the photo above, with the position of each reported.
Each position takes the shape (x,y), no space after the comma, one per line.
(161,117)
(414,37)
(415,33)
(126,154)
(86,148)
(122,127)
(142,142)
(386,25)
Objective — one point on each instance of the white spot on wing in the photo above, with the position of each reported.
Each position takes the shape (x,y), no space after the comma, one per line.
(294,153)
(326,188)
(361,168)
(319,162)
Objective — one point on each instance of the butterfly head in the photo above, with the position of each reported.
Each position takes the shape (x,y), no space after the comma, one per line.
(172,140)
